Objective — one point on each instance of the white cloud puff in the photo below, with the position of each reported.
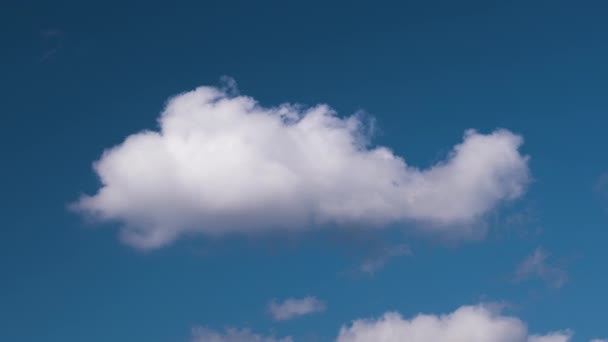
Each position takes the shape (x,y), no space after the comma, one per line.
(294,307)
(223,163)
(202,334)
(467,324)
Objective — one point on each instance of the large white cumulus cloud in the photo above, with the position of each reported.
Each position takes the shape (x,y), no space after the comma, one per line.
(223,163)
(467,324)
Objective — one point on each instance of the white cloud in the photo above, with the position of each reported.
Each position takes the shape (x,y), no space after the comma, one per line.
(467,324)
(223,164)
(536,266)
(599,340)
(293,307)
(201,334)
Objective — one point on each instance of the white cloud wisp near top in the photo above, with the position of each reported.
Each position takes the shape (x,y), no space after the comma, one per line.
(222,163)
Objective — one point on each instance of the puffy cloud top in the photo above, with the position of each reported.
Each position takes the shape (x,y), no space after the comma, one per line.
(222,163)
(467,324)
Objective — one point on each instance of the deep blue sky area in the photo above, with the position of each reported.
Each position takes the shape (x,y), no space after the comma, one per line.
(78,77)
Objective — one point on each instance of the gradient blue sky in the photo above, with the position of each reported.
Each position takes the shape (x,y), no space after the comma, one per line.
(78,77)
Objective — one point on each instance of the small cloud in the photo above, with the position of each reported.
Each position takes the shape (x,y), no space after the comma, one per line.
(52,41)
(292,308)
(51,33)
(374,263)
(202,334)
(601,187)
(521,223)
(48,54)
(537,266)
(229,85)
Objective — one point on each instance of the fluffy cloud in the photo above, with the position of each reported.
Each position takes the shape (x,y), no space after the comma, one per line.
(202,334)
(467,324)
(292,308)
(222,163)
(536,266)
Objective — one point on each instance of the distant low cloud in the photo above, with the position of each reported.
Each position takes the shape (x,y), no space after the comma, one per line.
(201,334)
(601,187)
(537,265)
(292,308)
(52,40)
(375,262)
(224,164)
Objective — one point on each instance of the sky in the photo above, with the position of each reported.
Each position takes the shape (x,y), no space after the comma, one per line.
(239,171)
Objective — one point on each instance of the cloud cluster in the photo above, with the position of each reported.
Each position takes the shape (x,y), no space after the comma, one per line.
(223,163)
(293,307)
(478,323)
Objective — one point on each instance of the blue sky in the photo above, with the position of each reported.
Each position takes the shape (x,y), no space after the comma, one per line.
(290,227)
